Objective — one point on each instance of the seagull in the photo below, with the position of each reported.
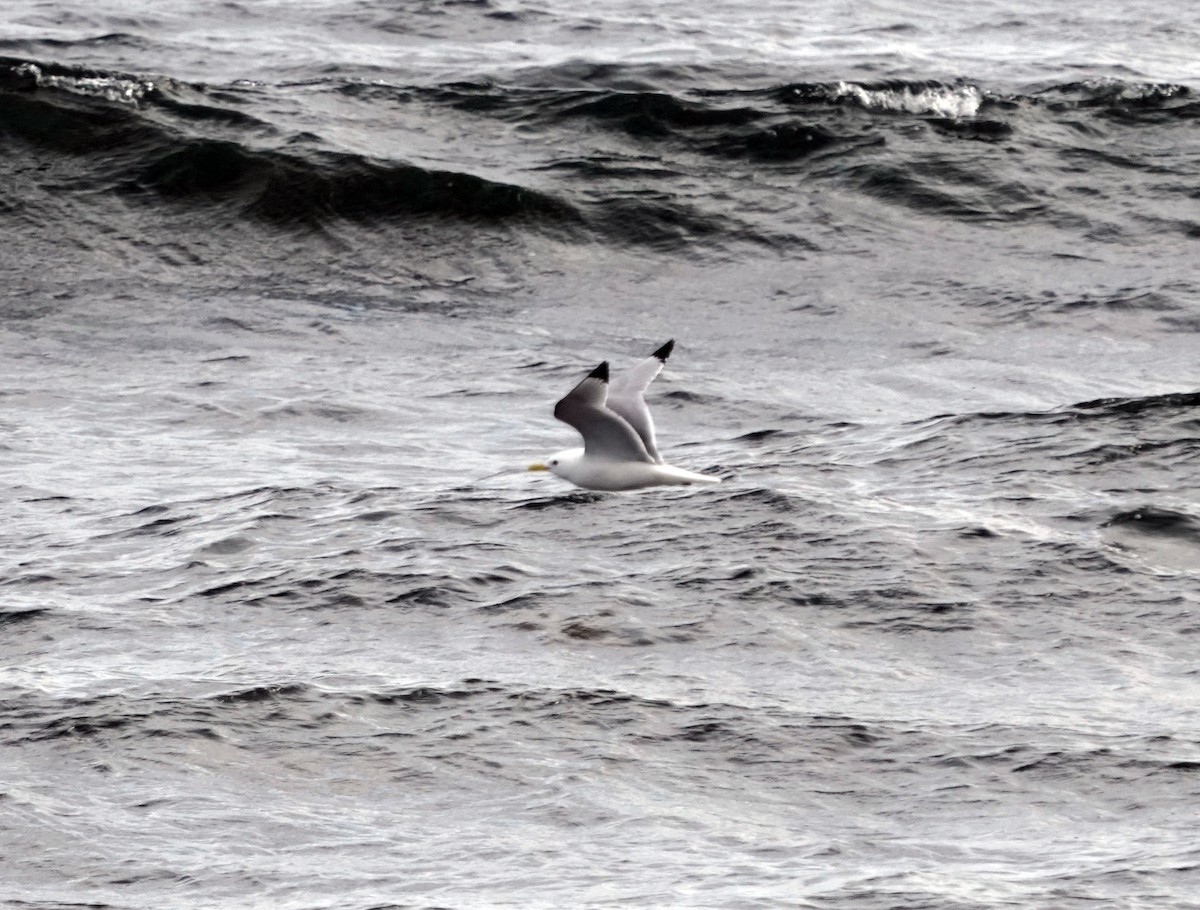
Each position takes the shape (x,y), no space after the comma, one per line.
(619,451)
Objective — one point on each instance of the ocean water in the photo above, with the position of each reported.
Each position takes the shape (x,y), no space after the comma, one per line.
(290,290)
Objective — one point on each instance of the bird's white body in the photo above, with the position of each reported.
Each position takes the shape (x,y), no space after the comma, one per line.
(619,449)
(606,474)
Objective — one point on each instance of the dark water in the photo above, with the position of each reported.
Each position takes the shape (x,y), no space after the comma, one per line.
(285,287)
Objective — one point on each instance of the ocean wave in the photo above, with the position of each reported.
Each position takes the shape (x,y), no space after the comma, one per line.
(1102,407)
(1118,93)
(111,119)
(923,98)
(119,89)
(1158,521)
(296,188)
(635,164)
(953,101)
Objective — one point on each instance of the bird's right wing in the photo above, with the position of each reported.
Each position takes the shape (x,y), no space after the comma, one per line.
(625,397)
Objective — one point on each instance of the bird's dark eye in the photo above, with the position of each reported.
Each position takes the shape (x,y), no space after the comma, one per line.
(553,461)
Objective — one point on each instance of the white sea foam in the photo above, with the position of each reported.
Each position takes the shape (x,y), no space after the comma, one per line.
(111,88)
(941,100)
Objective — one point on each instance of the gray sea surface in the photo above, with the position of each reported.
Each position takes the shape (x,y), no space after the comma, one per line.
(290,291)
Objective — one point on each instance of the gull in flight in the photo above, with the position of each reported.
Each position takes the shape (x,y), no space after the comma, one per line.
(619,452)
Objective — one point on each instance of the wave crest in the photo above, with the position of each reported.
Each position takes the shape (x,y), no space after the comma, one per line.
(953,101)
(111,87)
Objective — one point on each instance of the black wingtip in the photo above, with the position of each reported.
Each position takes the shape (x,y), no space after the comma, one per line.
(665,351)
(601,372)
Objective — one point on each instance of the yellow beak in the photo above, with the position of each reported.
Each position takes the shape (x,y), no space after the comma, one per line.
(537,467)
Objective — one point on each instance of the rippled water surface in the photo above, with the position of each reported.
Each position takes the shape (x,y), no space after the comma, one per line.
(290,293)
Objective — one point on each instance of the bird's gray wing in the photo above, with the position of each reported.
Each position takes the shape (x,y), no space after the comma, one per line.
(605,433)
(625,396)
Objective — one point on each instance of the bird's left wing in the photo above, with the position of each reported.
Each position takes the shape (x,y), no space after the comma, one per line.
(605,433)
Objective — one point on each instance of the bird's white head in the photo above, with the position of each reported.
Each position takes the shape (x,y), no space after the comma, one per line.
(561,463)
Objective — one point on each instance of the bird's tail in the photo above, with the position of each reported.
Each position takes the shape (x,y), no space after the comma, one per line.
(679,477)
